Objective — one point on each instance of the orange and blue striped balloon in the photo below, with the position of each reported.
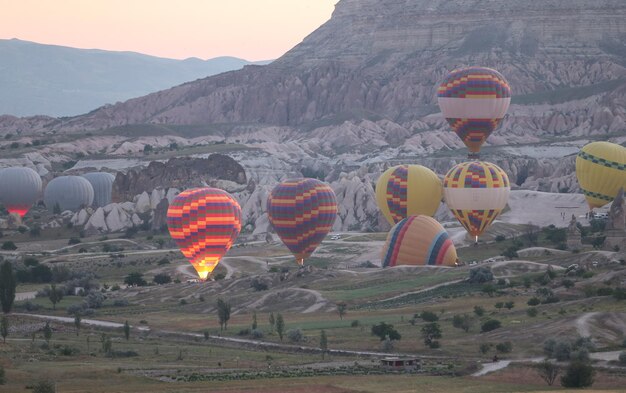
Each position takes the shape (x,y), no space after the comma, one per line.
(474,100)
(418,240)
(302,213)
(204,222)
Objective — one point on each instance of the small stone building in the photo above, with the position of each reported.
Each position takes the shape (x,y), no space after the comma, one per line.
(403,363)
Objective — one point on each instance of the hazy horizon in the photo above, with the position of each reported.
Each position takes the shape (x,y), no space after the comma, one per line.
(254,30)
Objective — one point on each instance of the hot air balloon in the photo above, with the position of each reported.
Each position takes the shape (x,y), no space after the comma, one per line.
(407,190)
(20,188)
(69,193)
(204,222)
(474,100)
(476,192)
(302,213)
(418,240)
(601,172)
(102,183)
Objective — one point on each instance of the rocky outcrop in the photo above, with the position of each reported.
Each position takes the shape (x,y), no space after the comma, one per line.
(180,173)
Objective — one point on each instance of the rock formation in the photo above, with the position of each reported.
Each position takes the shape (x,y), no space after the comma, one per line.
(178,173)
(616,225)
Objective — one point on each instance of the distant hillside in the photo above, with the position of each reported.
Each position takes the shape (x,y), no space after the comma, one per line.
(38,79)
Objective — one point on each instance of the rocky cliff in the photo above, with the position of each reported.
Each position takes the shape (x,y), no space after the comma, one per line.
(181,173)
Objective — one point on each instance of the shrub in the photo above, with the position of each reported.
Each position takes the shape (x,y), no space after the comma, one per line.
(429,316)
(622,358)
(567,283)
(9,246)
(135,278)
(619,293)
(355,323)
(479,311)
(504,347)
(163,261)
(578,375)
(532,312)
(295,335)
(480,275)
(490,325)
(73,240)
(162,278)
(500,238)
(462,322)
(44,387)
(2,376)
(121,303)
(244,332)
(95,299)
(533,301)
(259,285)
(257,334)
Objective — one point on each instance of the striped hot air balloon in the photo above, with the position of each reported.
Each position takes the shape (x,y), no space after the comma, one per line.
(20,187)
(418,240)
(474,100)
(302,213)
(407,190)
(601,172)
(476,192)
(204,222)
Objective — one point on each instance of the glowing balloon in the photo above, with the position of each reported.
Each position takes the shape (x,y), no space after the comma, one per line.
(601,172)
(408,190)
(476,192)
(302,213)
(204,222)
(20,188)
(418,240)
(474,100)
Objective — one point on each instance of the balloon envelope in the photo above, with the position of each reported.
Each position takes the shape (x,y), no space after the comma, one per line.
(476,192)
(601,172)
(418,240)
(20,188)
(102,183)
(204,222)
(474,100)
(69,193)
(408,190)
(302,213)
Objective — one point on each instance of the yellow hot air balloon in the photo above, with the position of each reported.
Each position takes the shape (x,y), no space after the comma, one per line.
(476,192)
(601,172)
(408,190)
(418,240)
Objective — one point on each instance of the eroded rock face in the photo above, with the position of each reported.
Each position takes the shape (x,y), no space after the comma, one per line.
(180,173)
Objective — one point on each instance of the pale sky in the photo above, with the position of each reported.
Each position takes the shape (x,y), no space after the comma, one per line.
(250,29)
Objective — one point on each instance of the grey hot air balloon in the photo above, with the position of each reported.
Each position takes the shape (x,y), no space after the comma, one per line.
(20,188)
(69,192)
(102,183)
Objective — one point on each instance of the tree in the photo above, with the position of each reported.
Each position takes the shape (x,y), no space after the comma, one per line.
(9,246)
(462,322)
(548,371)
(342,308)
(4,328)
(499,305)
(162,278)
(55,295)
(272,322)
(254,322)
(323,342)
(47,332)
(509,305)
(7,287)
(383,330)
(135,279)
(485,347)
(504,347)
(126,330)
(490,325)
(77,320)
(223,313)
(431,332)
(107,345)
(510,252)
(578,375)
(479,311)
(280,326)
